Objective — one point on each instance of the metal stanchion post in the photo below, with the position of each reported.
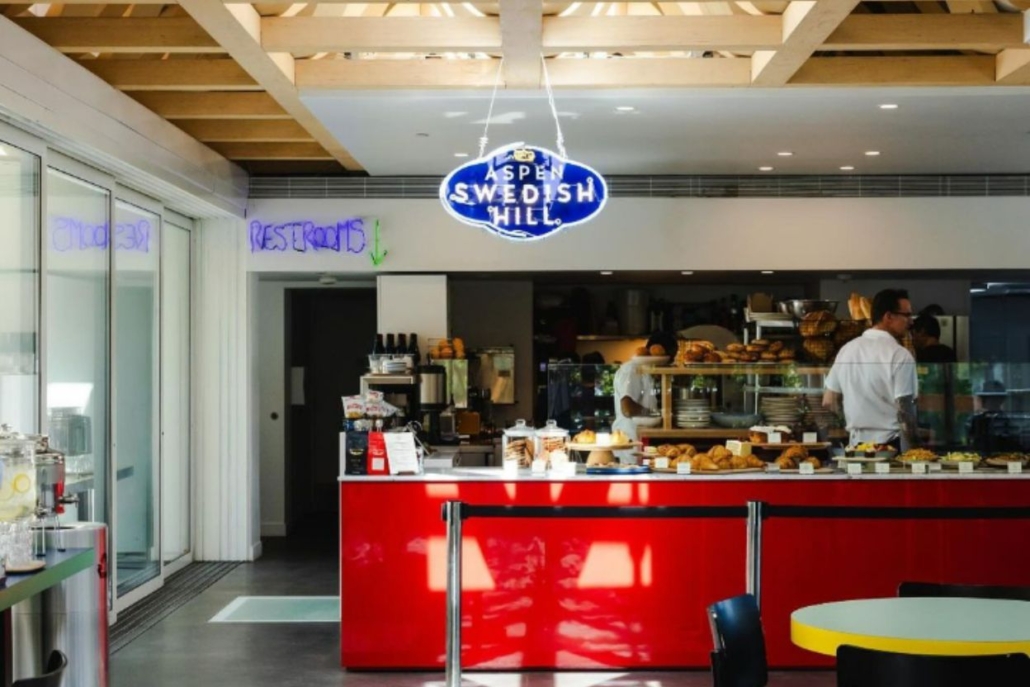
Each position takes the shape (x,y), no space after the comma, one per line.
(754,550)
(453,515)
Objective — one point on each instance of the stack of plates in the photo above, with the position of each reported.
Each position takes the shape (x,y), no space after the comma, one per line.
(781,410)
(394,366)
(818,415)
(692,413)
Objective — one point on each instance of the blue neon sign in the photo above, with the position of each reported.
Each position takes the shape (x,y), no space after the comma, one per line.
(523,193)
(303,236)
(68,234)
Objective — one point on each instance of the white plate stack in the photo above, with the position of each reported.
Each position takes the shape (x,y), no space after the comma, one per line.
(394,366)
(781,410)
(818,415)
(692,413)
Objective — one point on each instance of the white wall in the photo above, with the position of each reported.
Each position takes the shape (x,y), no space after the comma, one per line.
(416,303)
(499,313)
(845,234)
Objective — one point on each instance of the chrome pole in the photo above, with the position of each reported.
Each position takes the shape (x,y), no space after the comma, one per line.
(754,550)
(452,512)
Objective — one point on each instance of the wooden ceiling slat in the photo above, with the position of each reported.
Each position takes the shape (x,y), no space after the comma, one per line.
(176,105)
(888,32)
(380,34)
(131,34)
(271,151)
(874,71)
(173,75)
(252,130)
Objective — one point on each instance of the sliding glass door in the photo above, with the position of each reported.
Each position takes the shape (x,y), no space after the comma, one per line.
(136,355)
(175,392)
(19,284)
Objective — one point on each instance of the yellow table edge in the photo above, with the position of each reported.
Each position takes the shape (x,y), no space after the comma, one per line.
(823,641)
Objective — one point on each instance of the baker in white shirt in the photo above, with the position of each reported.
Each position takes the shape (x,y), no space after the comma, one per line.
(876,376)
(629,385)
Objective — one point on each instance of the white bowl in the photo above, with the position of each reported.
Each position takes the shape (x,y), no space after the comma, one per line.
(647,420)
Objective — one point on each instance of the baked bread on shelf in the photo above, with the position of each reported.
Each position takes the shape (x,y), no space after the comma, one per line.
(819,323)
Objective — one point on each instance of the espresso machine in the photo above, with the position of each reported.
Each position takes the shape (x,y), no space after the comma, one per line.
(432,400)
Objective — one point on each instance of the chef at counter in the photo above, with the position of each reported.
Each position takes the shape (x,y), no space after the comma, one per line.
(631,383)
(876,376)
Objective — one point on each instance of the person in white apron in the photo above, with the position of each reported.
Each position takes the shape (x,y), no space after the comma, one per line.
(630,385)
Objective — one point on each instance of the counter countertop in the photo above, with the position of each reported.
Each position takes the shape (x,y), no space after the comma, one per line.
(499,475)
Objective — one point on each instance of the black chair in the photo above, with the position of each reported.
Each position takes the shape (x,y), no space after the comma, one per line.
(739,656)
(868,668)
(969,591)
(52,677)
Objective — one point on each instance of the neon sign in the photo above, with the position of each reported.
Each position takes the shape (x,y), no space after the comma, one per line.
(303,236)
(523,192)
(67,234)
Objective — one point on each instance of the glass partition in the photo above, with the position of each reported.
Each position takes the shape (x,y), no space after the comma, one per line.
(77,299)
(136,241)
(19,284)
(175,392)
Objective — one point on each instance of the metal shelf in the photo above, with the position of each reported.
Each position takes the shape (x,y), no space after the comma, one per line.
(801,391)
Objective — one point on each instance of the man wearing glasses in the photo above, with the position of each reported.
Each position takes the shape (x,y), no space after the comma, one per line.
(876,376)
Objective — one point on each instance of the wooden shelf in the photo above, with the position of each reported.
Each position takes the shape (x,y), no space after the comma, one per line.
(710,433)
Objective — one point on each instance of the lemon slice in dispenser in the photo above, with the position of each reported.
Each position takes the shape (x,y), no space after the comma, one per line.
(22,483)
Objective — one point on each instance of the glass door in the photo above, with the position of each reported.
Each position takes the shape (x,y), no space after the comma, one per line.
(135,355)
(175,393)
(19,274)
(77,289)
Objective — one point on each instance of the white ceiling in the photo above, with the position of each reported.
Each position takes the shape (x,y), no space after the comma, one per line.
(935,130)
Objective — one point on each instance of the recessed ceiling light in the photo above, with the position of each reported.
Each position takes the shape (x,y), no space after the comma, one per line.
(422,135)
(847,168)
(606,273)
(765,169)
(767,272)
(872,153)
(888,106)
(625,108)
(687,273)
(461,155)
(785,153)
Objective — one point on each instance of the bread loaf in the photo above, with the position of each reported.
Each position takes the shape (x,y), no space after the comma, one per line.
(819,323)
(819,349)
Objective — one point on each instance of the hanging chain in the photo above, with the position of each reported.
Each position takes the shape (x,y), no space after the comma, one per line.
(484,139)
(554,108)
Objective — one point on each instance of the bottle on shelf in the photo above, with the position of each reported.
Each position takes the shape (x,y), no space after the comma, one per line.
(413,347)
(378,348)
(391,346)
(402,344)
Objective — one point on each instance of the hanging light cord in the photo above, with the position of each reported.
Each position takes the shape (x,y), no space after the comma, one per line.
(554,108)
(484,139)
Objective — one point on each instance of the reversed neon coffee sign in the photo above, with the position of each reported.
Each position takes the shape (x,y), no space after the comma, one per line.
(523,193)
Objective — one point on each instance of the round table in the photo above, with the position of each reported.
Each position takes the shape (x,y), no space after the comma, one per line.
(942,626)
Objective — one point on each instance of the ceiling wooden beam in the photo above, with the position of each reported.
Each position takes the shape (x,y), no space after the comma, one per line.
(380,34)
(173,75)
(211,105)
(1012,67)
(565,73)
(131,34)
(806,24)
(583,34)
(522,42)
(849,72)
(252,130)
(271,151)
(239,28)
(927,32)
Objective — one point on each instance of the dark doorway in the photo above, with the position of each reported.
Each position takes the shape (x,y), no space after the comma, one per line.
(330,332)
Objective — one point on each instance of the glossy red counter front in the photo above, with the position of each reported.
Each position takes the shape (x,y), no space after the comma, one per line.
(597,594)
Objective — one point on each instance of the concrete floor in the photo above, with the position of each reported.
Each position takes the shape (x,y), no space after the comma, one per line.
(184,649)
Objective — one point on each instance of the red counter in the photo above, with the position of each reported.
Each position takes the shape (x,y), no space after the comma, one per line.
(597,594)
